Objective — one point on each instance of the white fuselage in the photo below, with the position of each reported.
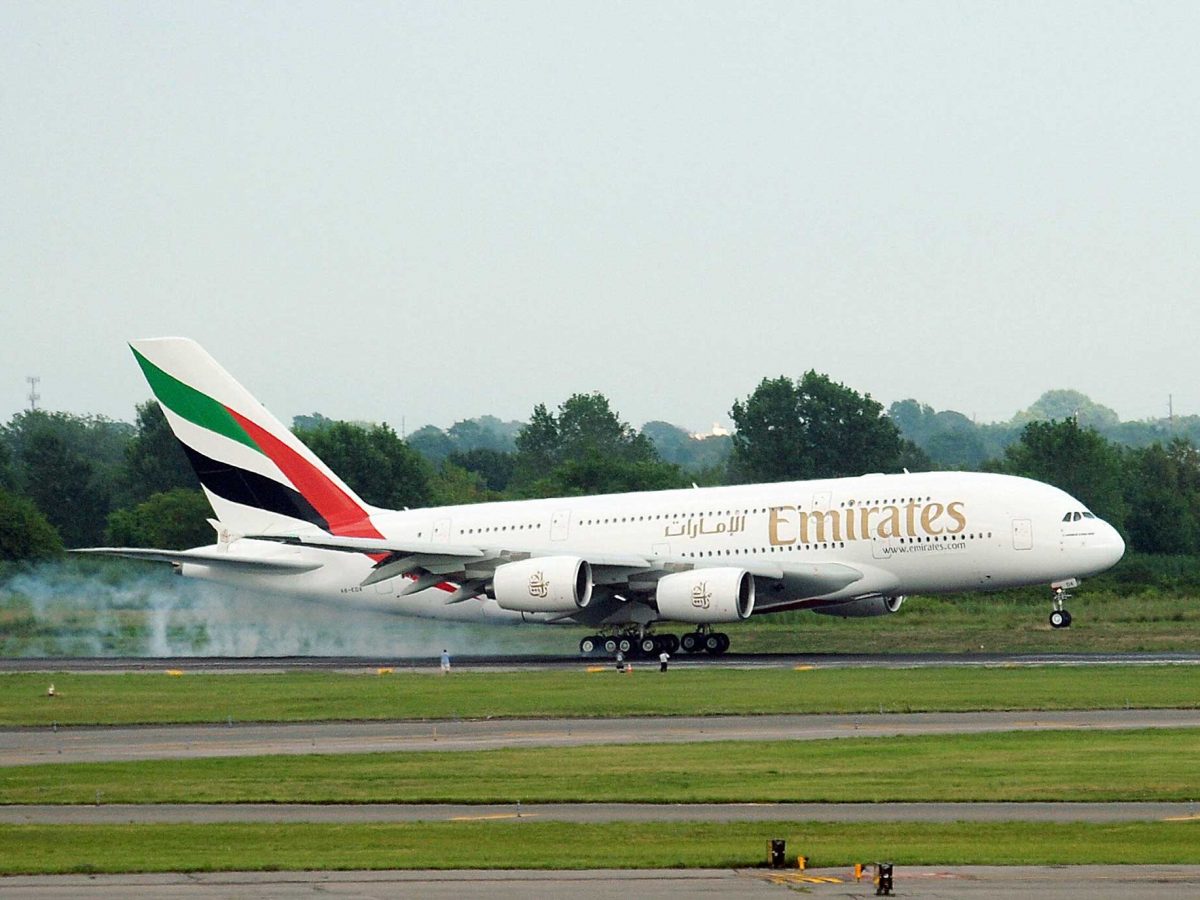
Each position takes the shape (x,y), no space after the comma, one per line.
(914,533)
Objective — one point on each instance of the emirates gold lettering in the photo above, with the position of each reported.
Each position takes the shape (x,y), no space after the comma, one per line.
(777,519)
(890,526)
(788,525)
(820,519)
(954,511)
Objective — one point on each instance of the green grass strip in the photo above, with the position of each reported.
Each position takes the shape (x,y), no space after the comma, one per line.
(296,697)
(42,849)
(1146,764)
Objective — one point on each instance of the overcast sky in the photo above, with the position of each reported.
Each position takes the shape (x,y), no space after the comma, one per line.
(437,210)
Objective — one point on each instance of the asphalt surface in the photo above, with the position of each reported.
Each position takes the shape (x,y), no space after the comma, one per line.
(932,883)
(266,664)
(28,746)
(352,813)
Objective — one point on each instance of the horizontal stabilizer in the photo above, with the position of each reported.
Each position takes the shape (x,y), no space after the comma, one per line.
(203,558)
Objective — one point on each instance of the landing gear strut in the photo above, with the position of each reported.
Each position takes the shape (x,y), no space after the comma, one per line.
(1059,616)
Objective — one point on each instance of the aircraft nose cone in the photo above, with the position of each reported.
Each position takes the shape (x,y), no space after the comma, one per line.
(1112,545)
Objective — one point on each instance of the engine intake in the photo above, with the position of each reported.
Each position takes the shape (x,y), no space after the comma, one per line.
(543,584)
(705,596)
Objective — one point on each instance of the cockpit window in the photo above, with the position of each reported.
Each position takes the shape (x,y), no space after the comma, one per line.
(1088,515)
(1067,517)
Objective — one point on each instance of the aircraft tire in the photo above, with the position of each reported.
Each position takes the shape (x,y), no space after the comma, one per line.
(610,646)
(1060,618)
(724,640)
(648,646)
(712,643)
(670,643)
(589,645)
(625,645)
(692,642)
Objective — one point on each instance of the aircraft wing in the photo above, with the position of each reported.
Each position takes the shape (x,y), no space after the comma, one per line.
(216,560)
(471,567)
(802,580)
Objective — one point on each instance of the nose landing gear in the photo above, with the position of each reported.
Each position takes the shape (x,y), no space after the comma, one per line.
(1059,616)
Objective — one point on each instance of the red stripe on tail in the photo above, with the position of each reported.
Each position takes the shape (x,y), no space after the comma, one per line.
(345,517)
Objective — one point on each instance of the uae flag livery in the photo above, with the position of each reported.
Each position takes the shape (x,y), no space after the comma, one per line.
(258,476)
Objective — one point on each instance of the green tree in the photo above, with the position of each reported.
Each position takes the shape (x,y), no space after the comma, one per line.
(431,443)
(25,534)
(1163,496)
(173,520)
(154,461)
(1061,404)
(373,461)
(492,466)
(484,433)
(585,449)
(1078,460)
(452,485)
(811,428)
(68,465)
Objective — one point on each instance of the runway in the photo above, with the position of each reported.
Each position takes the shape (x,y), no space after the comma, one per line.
(927,882)
(268,664)
(30,746)
(358,813)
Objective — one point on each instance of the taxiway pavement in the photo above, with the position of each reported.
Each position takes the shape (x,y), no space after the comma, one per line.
(358,813)
(29,746)
(927,882)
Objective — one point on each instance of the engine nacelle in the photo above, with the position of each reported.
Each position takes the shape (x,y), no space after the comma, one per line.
(543,584)
(864,607)
(705,596)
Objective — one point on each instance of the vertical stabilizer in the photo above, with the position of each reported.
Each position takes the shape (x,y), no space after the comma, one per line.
(258,476)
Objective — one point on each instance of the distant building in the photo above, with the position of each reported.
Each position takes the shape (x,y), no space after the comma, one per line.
(717,431)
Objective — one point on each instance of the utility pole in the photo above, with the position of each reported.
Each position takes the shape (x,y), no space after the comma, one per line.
(1171,412)
(34,396)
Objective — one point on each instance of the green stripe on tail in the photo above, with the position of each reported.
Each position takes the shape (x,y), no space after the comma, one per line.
(190,404)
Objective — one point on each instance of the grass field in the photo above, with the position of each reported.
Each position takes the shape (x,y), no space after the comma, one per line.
(33,849)
(293,697)
(1146,764)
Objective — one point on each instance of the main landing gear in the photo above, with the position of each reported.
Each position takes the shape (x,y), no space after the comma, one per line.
(1059,616)
(631,644)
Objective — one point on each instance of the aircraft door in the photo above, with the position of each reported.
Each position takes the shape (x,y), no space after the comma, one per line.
(560,525)
(1022,534)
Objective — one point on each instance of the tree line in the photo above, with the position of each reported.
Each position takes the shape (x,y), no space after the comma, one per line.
(71,481)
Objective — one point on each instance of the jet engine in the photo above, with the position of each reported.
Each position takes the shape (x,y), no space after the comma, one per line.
(704,596)
(863,607)
(543,584)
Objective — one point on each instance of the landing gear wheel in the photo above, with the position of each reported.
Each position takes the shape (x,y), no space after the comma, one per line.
(610,646)
(692,642)
(670,643)
(1060,618)
(648,646)
(714,645)
(624,645)
(588,645)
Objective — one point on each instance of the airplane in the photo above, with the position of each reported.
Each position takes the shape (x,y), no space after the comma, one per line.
(623,565)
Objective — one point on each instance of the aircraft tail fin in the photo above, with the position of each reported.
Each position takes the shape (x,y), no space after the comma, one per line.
(259,478)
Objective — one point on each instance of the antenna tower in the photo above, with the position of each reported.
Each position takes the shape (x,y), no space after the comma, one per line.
(34,396)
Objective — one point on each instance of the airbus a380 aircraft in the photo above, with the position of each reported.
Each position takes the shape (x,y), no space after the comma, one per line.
(621,563)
